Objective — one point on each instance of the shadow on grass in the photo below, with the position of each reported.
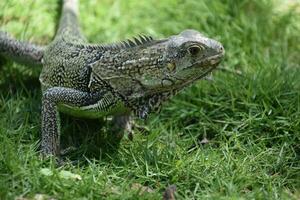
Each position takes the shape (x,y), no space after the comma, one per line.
(89,139)
(16,78)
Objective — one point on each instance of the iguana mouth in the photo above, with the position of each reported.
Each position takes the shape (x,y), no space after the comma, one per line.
(211,61)
(203,74)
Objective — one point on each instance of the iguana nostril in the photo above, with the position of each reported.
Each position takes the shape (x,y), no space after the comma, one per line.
(221,50)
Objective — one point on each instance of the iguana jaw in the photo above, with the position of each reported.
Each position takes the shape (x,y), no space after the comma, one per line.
(210,62)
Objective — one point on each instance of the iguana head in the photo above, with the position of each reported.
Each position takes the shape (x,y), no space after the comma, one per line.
(189,56)
(146,72)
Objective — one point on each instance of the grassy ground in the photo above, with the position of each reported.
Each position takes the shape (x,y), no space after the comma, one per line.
(252,121)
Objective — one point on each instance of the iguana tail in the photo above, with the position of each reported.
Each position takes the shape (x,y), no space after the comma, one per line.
(19,51)
(27,53)
(69,26)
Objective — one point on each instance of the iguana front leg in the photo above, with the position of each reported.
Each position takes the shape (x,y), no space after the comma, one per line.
(52,98)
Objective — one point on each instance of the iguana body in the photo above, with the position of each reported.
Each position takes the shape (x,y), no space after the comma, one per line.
(93,80)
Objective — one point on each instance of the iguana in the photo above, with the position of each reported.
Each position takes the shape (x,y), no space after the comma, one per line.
(94,80)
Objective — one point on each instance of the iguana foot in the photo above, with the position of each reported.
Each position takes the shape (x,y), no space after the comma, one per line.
(67,150)
(120,125)
(140,128)
(125,124)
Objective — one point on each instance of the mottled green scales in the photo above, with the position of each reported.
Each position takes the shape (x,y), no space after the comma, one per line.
(95,80)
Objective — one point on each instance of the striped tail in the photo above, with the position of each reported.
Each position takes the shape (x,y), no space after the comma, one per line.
(69,26)
(21,52)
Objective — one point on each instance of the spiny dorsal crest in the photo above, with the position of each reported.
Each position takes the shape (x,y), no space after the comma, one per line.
(136,41)
(130,43)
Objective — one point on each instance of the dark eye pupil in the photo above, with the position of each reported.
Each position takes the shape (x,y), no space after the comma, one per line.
(194,50)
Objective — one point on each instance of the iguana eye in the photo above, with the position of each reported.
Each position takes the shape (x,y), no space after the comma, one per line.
(195,49)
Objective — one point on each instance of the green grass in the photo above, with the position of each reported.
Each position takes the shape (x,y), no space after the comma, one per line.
(252,120)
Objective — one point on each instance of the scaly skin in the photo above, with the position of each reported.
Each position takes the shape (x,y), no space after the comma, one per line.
(22,52)
(94,80)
